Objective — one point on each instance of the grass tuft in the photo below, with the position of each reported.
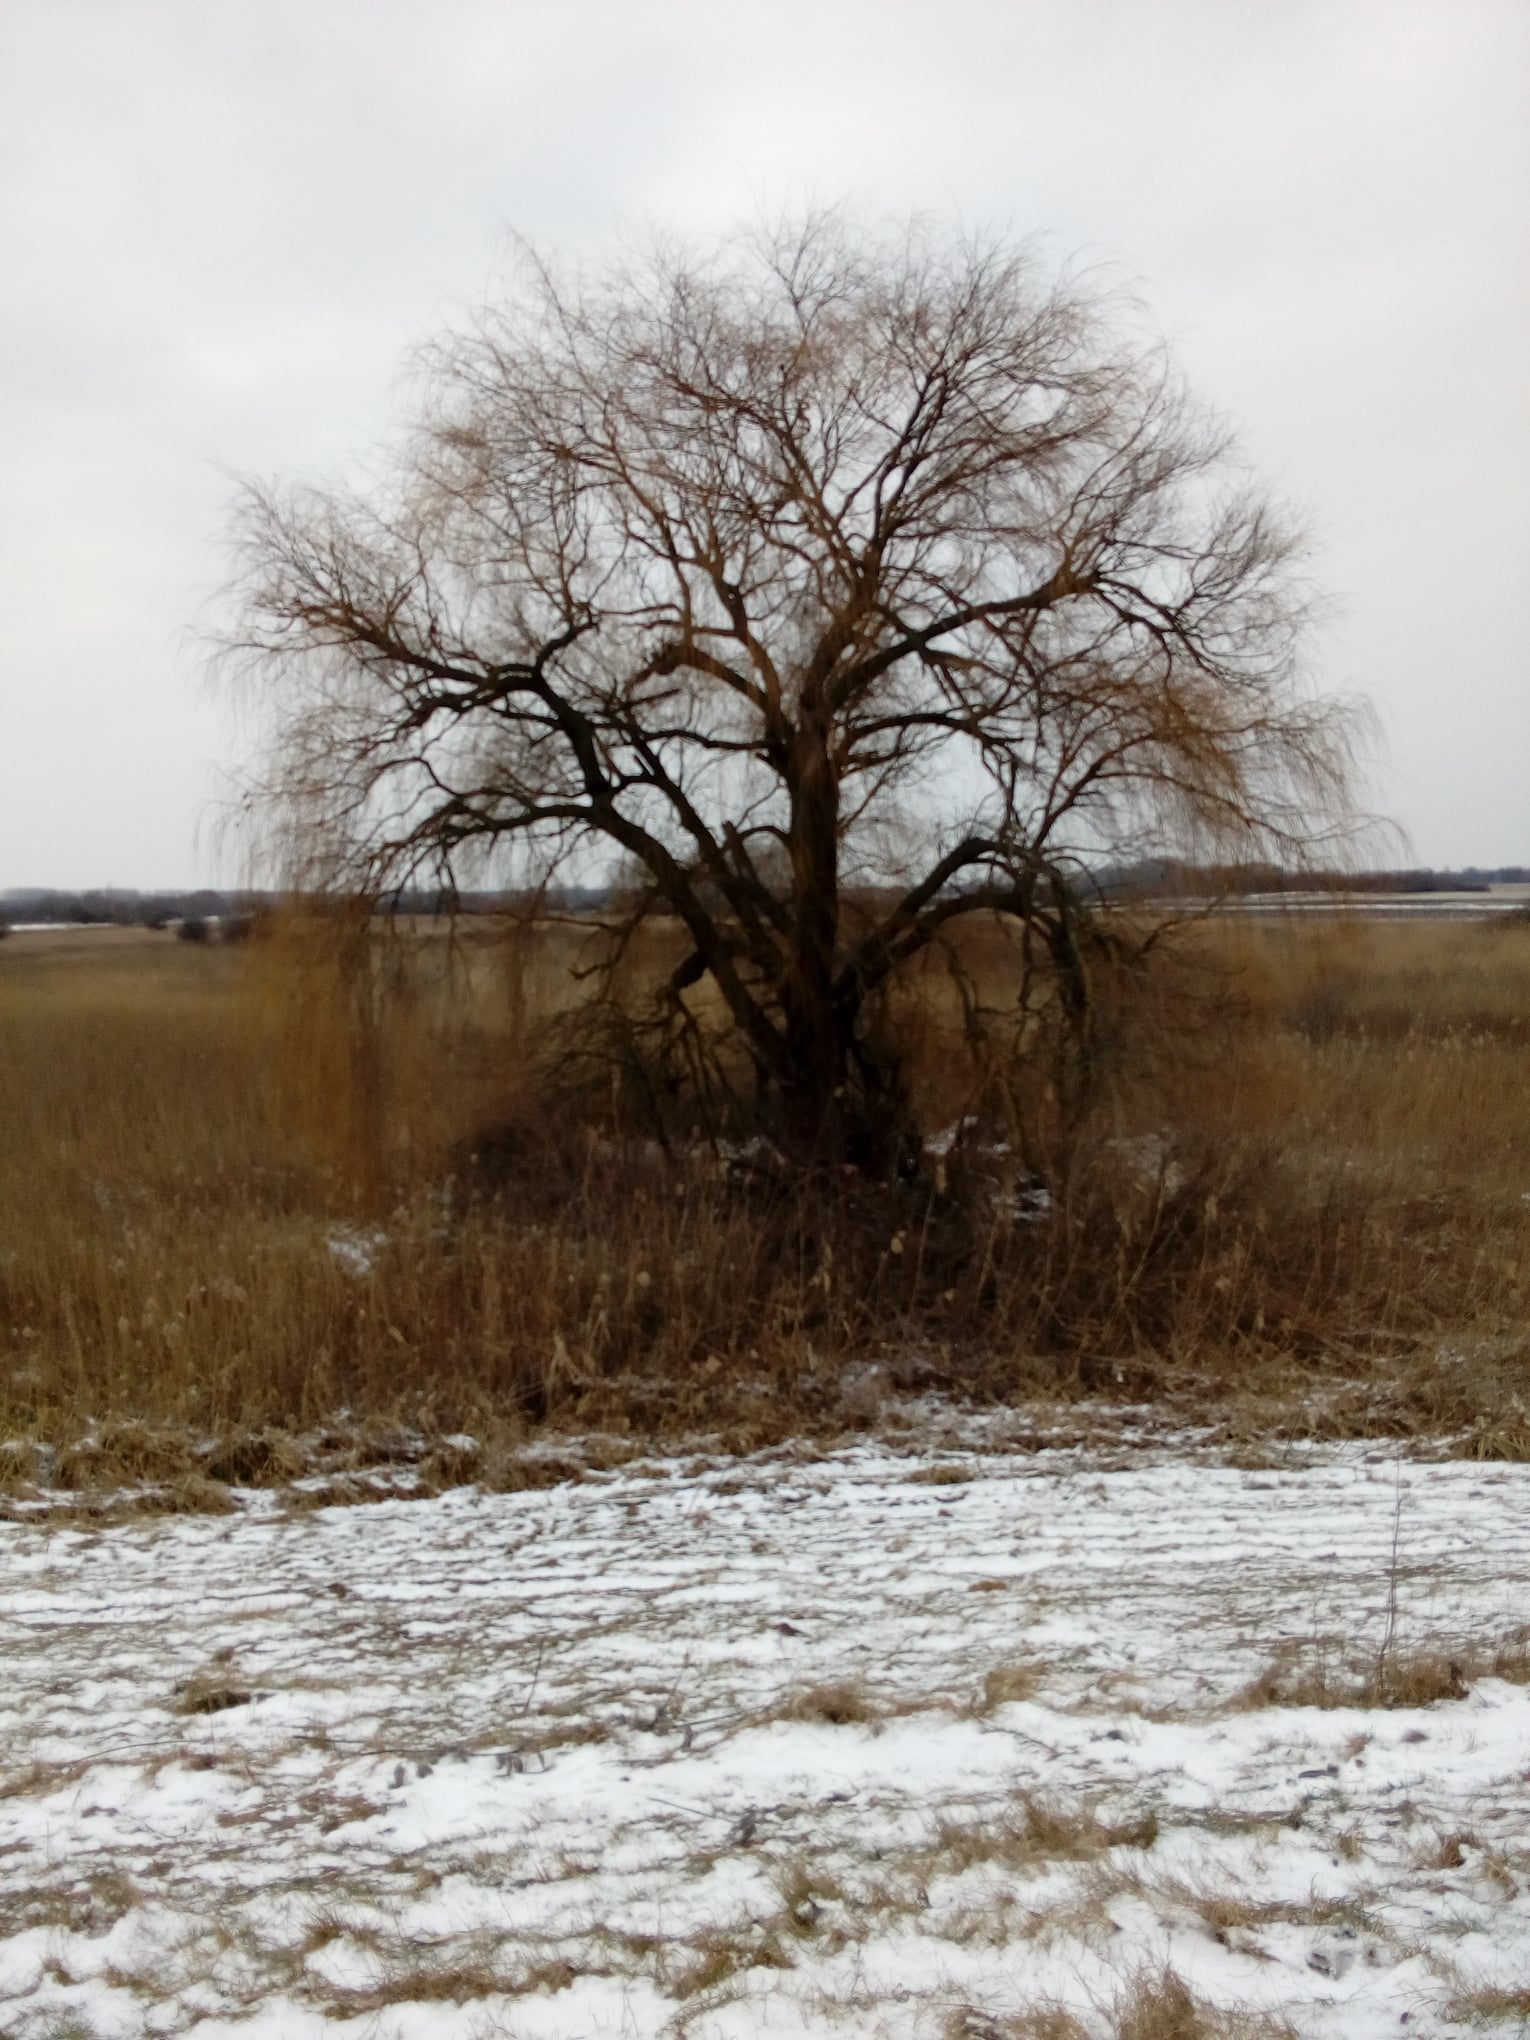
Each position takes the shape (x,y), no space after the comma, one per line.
(841,1704)
(1422,1677)
(1494,2005)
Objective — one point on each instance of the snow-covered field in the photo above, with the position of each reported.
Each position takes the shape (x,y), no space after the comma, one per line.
(877,1741)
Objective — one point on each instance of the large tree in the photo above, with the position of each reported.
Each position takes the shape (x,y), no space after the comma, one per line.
(841,584)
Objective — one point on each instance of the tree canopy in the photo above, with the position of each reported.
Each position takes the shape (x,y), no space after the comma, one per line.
(839,583)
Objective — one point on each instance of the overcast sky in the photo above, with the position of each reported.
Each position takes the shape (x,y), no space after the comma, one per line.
(222,222)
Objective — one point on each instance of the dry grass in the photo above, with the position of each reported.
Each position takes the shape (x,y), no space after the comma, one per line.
(1037,1833)
(1007,1683)
(1157,2005)
(843,1704)
(211,1692)
(242,1190)
(1162,2006)
(1397,1676)
(1494,2006)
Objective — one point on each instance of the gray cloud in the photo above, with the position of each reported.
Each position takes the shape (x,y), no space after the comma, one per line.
(220,227)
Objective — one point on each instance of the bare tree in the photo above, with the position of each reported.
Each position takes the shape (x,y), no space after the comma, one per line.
(843,584)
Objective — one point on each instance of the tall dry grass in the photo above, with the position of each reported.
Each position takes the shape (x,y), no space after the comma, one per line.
(251,1188)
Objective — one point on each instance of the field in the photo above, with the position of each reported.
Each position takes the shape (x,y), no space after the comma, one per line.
(243,1190)
(465,1570)
(949,1735)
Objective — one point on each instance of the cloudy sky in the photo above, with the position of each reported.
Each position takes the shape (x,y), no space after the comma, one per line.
(223,221)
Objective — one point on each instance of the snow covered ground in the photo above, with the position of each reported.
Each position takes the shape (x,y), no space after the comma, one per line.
(867,1742)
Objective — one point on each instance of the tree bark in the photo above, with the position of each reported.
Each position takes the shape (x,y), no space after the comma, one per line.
(817,1043)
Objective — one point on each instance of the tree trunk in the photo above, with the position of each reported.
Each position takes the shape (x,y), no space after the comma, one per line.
(817,1042)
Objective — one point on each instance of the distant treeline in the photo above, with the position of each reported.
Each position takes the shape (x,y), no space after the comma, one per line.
(120,909)
(235,912)
(117,907)
(1161,878)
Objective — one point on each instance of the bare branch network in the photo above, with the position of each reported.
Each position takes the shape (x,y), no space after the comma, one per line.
(842,584)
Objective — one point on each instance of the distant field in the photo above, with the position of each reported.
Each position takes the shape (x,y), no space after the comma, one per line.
(1435,906)
(242,1189)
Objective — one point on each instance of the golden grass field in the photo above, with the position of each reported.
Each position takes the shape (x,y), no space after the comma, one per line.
(247,1191)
